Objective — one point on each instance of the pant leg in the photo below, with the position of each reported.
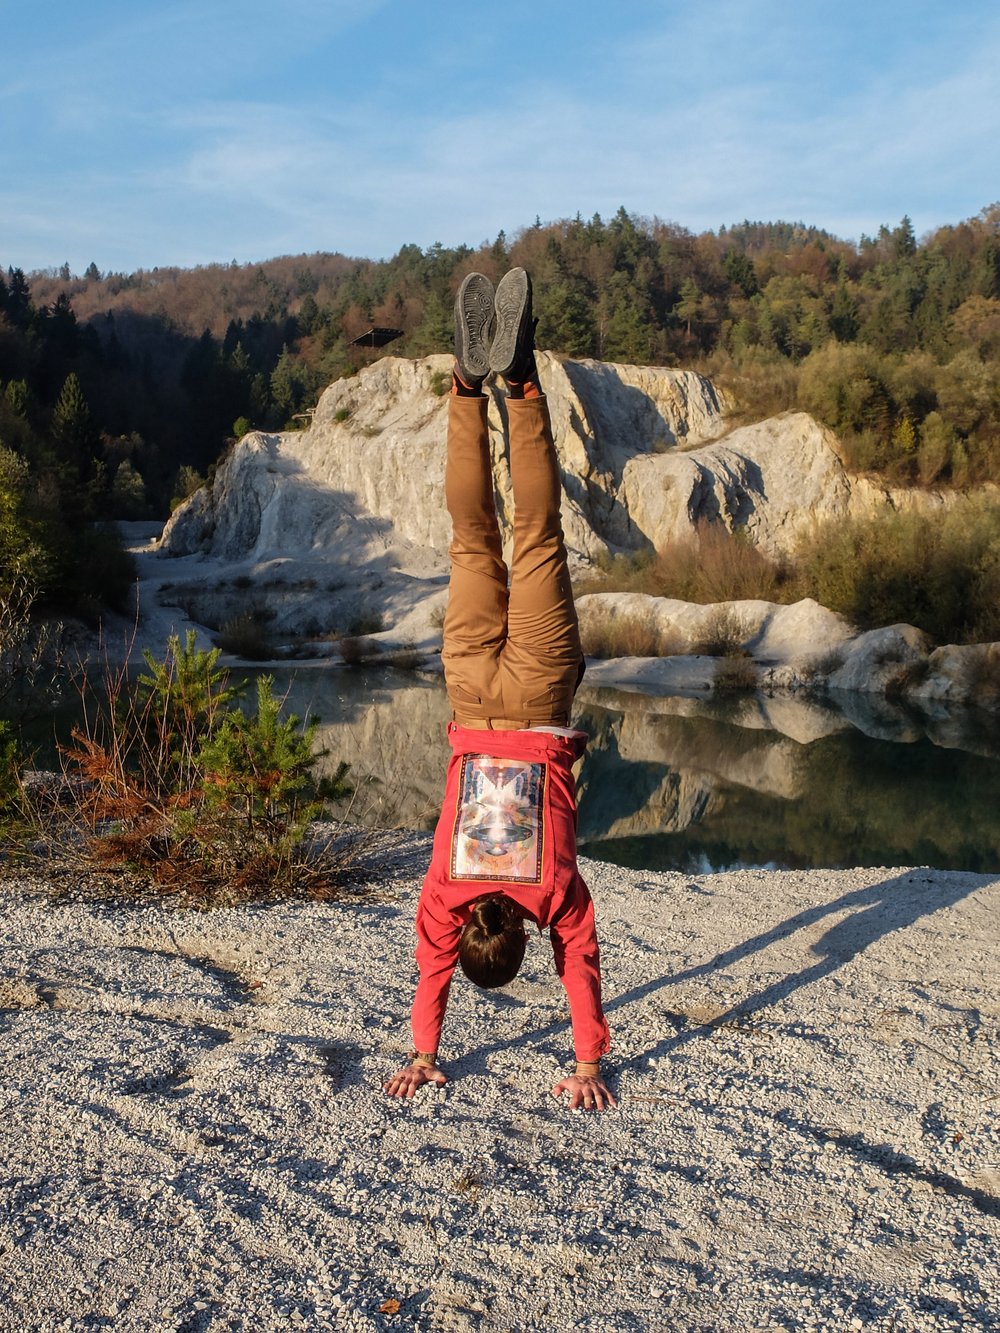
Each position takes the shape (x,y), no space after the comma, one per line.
(475,623)
(541,661)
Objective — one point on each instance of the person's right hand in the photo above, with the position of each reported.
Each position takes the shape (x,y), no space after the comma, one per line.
(408,1080)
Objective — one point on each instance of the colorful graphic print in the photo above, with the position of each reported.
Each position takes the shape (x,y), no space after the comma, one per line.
(499,826)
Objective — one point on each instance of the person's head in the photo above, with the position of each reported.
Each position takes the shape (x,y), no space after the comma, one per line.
(492,945)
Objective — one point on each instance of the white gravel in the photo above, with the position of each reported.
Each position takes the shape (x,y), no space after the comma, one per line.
(194,1135)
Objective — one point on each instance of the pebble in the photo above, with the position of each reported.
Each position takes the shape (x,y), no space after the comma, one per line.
(335,1196)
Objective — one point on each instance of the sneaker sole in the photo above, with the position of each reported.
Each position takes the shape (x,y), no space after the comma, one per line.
(473,320)
(512,300)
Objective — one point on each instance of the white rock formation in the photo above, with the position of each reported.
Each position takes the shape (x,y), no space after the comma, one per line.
(772,633)
(337,526)
(638,447)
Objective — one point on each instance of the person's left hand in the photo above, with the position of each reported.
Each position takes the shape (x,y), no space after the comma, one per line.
(586,1090)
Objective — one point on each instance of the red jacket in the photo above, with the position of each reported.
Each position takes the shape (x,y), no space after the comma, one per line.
(508,825)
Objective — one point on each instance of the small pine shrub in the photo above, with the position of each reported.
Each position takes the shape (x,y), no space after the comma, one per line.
(440,383)
(172,782)
(341,415)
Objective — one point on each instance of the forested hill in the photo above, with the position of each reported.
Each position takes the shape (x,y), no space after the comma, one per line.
(118,392)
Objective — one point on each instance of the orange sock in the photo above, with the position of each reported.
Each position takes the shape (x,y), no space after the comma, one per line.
(460,389)
(524,388)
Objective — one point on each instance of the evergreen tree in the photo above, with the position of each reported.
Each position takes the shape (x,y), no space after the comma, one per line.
(128,493)
(74,430)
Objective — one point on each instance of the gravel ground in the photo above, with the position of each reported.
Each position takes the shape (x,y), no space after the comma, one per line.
(194,1134)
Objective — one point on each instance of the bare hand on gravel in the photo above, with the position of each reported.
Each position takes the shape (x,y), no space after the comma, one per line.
(408,1080)
(586,1091)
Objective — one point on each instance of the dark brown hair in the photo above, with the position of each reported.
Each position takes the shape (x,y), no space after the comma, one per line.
(492,943)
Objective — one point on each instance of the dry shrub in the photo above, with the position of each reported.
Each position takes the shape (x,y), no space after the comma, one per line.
(735,673)
(906,677)
(711,564)
(245,636)
(982,676)
(824,666)
(356,650)
(723,634)
(32,652)
(716,565)
(407,658)
(626,636)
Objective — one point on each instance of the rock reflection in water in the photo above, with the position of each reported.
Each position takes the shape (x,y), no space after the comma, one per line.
(696,783)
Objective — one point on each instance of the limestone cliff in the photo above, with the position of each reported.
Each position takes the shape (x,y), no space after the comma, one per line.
(644,453)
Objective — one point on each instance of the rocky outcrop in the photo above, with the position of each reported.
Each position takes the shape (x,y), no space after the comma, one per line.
(644,453)
(342,528)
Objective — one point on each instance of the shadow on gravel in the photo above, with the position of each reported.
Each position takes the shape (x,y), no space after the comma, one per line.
(894,1163)
(891,905)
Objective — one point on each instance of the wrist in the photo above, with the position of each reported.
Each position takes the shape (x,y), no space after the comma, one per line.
(428,1059)
(588,1068)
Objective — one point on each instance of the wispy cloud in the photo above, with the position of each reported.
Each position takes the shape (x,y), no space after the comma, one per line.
(340,131)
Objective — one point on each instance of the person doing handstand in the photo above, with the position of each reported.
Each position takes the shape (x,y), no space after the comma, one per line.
(505,841)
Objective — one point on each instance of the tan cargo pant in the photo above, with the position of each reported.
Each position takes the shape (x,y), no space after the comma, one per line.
(511,655)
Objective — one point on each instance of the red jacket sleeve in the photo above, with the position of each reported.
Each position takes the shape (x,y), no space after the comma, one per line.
(438,934)
(578,962)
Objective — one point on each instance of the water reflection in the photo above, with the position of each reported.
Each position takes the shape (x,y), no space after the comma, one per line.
(696,784)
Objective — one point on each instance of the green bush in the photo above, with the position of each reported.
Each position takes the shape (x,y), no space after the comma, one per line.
(171,780)
(940,572)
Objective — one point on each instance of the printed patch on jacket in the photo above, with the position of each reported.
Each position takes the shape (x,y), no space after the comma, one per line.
(499,827)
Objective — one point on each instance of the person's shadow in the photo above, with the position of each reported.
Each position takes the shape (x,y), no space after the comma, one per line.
(891,905)
(878,910)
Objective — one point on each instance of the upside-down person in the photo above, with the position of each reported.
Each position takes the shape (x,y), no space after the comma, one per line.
(505,843)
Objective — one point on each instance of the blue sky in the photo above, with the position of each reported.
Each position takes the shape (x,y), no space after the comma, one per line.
(135,133)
